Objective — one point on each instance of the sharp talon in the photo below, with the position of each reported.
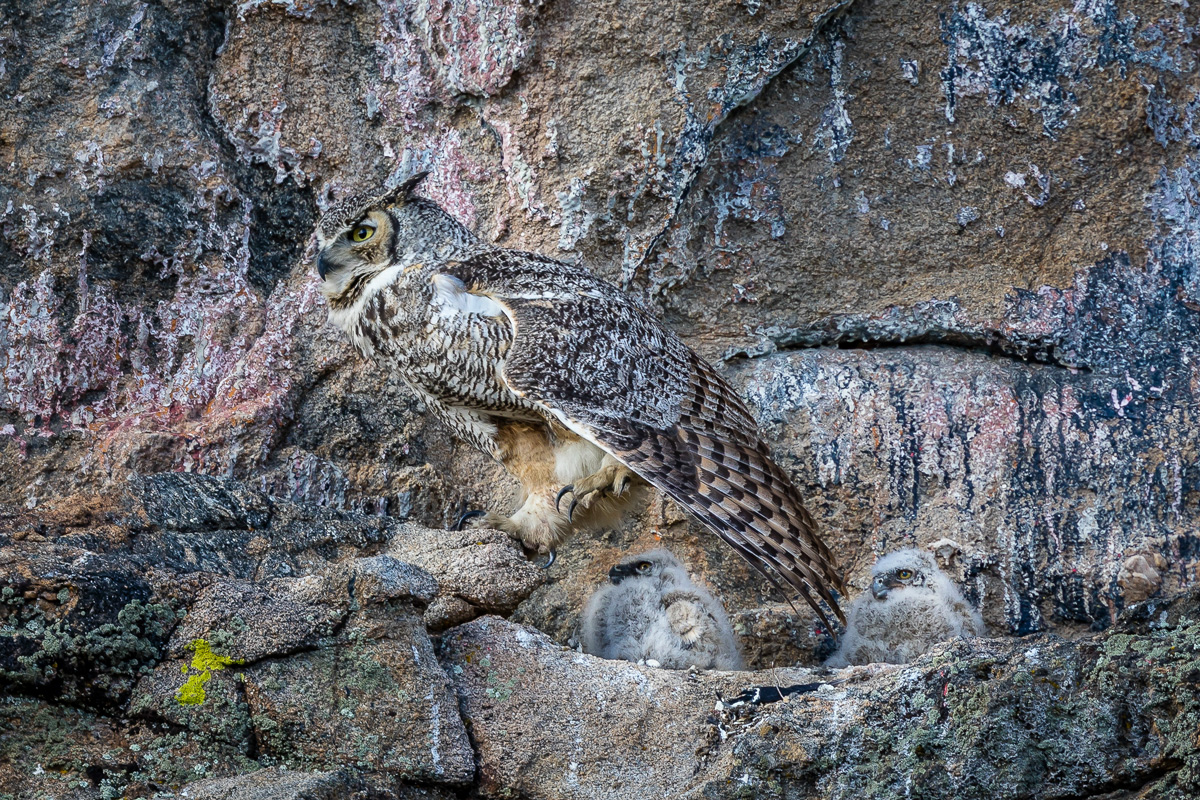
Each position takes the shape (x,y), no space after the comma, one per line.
(458,526)
(570,487)
(549,561)
(571,511)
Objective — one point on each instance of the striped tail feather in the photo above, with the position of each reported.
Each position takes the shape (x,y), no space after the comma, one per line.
(740,494)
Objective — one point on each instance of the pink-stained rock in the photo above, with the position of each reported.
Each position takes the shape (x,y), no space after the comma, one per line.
(947,251)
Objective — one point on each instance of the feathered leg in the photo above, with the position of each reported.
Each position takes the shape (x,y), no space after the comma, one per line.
(543,461)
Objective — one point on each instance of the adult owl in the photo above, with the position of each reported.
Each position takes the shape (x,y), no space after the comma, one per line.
(911,606)
(564,380)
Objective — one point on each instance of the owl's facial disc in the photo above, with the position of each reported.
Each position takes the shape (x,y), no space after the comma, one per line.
(359,249)
(640,568)
(894,579)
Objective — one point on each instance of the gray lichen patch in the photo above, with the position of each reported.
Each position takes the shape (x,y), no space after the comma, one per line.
(46,747)
(79,659)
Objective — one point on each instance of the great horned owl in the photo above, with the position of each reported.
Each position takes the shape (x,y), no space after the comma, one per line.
(563,379)
(651,611)
(911,606)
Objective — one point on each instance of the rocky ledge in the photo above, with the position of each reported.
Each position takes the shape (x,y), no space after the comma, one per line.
(194,638)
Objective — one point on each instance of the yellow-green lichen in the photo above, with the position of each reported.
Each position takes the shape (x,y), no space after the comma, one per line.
(205,662)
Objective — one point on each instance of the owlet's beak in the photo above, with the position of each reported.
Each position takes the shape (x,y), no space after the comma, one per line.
(620,572)
(323,265)
(880,587)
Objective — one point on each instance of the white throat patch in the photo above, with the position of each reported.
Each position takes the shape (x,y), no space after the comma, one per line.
(452,298)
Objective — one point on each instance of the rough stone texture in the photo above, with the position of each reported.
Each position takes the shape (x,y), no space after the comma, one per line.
(1114,716)
(478,571)
(270,784)
(989,208)
(132,669)
(273,784)
(1002,180)
(143,646)
(287,612)
(377,700)
(948,250)
(548,721)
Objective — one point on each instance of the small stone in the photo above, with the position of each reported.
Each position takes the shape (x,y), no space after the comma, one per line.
(1139,577)
(966,215)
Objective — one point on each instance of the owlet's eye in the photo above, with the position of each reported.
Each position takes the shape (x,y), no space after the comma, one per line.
(643,566)
(904,574)
(362,233)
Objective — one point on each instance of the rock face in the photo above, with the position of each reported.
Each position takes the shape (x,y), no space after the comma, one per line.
(947,250)
(132,668)
(1114,716)
(552,722)
(195,628)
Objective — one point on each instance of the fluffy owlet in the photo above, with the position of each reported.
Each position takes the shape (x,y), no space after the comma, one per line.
(651,610)
(911,606)
(563,379)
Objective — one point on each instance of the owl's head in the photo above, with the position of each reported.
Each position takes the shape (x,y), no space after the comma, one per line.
(365,234)
(904,570)
(653,564)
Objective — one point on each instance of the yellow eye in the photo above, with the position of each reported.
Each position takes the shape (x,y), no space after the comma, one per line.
(904,574)
(642,566)
(362,233)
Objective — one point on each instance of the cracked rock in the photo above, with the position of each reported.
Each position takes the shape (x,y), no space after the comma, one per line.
(478,572)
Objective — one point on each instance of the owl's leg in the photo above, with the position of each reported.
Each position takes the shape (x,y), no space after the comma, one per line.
(612,480)
(528,452)
(543,460)
(538,527)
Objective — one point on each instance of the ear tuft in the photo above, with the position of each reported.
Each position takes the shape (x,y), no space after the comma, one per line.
(413,182)
(405,189)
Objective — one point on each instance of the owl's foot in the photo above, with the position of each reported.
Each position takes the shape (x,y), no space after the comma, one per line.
(612,480)
(538,529)
(467,516)
(484,519)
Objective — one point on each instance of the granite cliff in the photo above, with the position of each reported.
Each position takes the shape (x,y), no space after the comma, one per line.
(950,252)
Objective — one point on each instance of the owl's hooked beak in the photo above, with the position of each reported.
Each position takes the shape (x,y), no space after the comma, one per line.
(620,572)
(323,265)
(881,585)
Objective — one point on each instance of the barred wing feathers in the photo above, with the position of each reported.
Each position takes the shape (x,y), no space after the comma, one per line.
(607,370)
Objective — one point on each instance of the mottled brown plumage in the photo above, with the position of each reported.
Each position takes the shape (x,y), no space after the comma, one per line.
(565,380)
